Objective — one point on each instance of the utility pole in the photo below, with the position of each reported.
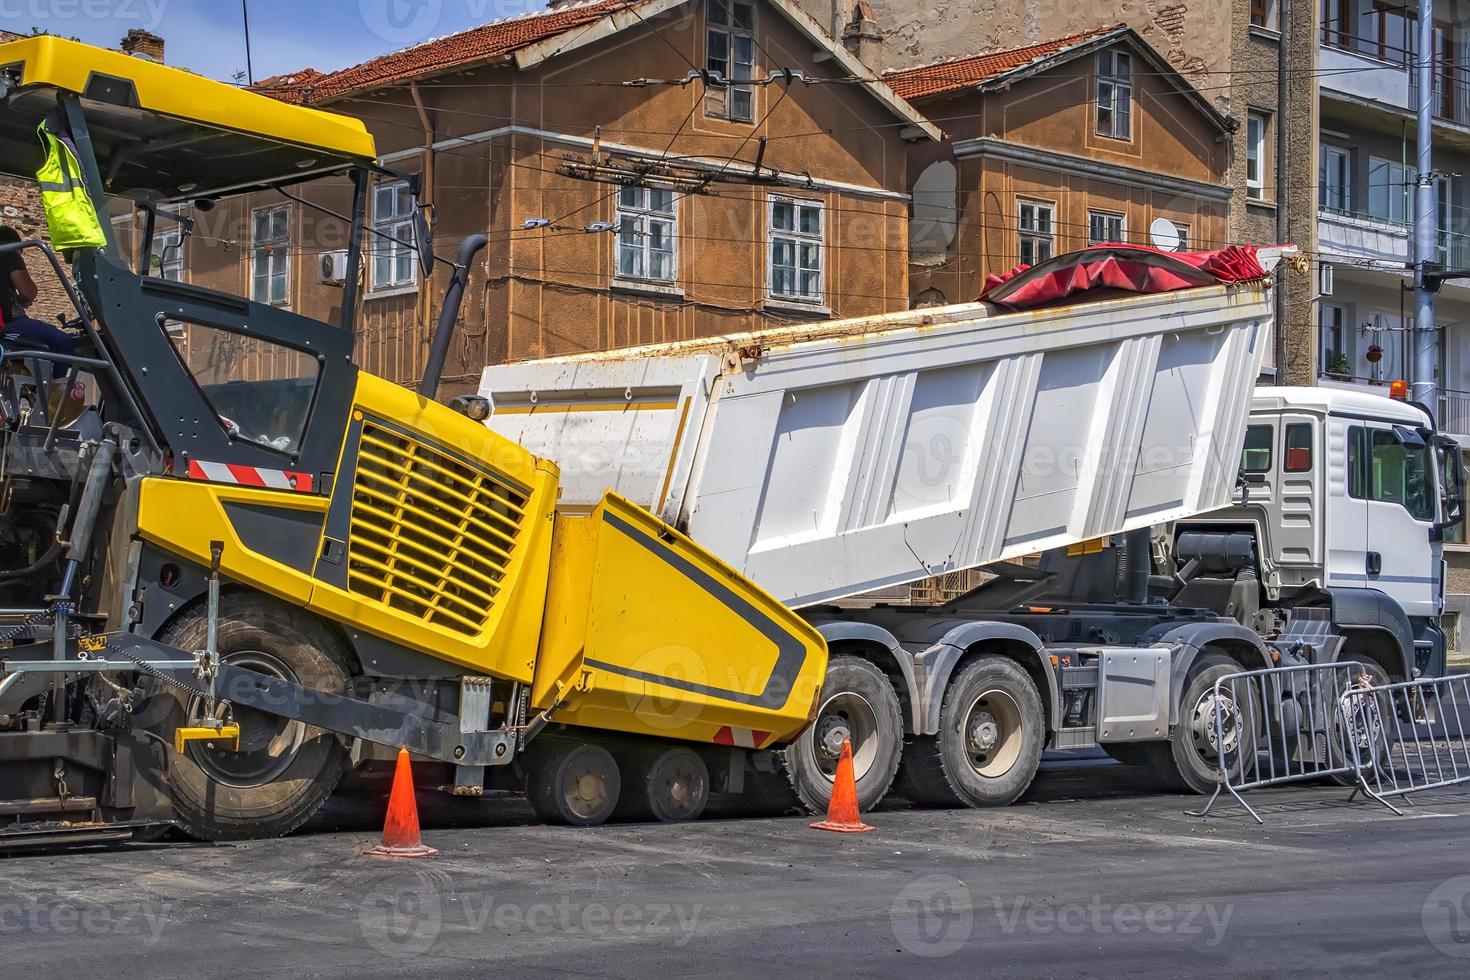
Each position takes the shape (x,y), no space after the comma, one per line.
(249,68)
(1425,334)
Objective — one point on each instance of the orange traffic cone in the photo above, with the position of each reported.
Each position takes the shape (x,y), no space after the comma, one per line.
(842,812)
(401,828)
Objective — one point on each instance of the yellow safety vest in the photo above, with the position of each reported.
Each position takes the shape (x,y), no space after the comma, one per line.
(69,212)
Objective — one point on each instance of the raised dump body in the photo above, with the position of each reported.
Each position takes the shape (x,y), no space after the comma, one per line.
(831,459)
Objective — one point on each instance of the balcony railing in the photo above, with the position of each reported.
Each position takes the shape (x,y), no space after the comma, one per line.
(1454,411)
(1388,239)
(1451,80)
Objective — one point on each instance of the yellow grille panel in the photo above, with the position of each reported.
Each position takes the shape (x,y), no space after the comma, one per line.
(432,536)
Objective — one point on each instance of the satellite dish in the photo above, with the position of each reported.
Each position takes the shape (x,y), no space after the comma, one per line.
(1163,235)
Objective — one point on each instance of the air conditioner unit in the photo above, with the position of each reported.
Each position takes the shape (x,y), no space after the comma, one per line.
(333,269)
(1324,273)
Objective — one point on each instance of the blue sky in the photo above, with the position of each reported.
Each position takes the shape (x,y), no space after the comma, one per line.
(207,36)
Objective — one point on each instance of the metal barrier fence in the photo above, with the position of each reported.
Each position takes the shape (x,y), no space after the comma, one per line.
(1412,736)
(1282,725)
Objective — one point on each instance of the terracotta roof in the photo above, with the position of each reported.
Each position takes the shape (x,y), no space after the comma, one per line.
(471,47)
(962,73)
(8,36)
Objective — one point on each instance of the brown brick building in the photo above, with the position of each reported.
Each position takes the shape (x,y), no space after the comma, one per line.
(1084,139)
(619,211)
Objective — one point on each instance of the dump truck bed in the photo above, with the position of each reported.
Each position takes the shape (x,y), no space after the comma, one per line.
(832,459)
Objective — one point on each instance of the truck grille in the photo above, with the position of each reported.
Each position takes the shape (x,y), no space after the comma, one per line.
(432,534)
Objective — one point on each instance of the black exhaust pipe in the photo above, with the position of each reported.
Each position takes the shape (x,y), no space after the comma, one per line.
(444,331)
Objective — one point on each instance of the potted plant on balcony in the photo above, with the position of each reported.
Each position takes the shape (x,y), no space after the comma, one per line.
(1339,368)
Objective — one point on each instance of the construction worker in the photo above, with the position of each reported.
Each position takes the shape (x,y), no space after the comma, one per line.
(17,292)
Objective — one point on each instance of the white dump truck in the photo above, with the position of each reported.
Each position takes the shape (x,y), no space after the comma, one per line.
(1097,408)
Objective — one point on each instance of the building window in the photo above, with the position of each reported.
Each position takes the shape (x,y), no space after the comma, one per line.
(1182,230)
(1038,234)
(1388,189)
(1334,179)
(1255,156)
(730,51)
(1105,227)
(270,255)
(796,250)
(1115,94)
(1337,26)
(1263,14)
(1392,27)
(1335,359)
(646,227)
(392,243)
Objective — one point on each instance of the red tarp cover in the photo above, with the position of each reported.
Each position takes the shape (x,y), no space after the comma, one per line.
(1135,268)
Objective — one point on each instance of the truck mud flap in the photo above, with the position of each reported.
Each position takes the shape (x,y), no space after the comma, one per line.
(648,633)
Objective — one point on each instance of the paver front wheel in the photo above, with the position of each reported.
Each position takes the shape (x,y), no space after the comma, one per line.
(284,771)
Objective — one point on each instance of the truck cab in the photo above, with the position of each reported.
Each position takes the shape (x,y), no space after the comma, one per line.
(1346,496)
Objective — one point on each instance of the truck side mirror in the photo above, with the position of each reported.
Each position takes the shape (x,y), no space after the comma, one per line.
(423,237)
(1451,483)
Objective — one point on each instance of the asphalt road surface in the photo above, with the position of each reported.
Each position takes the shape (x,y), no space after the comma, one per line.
(1091,875)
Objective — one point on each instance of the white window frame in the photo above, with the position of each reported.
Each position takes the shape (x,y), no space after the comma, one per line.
(1114,95)
(1256,124)
(1108,217)
(267,250)
(797,238)
(1184,233)
(1031,233)
(635,218)
(1390,194)
(399,225)
(1333,194)
(720,101)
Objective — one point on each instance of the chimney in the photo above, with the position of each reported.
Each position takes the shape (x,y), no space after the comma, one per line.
(142,44)
(861,37)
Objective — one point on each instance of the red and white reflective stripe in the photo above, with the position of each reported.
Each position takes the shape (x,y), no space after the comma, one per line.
(744,738)
(250,476)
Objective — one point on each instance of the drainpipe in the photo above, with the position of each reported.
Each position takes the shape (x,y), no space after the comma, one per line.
(1284,16)
(425,312)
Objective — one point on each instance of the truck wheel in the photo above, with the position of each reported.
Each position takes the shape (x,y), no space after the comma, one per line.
(1190,760)
(670,785)
(858,703)
(1366,728)
(571,782)
(284,771)
(991,733)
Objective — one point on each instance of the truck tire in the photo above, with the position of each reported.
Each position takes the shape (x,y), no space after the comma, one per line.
(285,770)
(667,784)
(1188,761)
(992,730)
(572,782)
(858,703)
(1366,728)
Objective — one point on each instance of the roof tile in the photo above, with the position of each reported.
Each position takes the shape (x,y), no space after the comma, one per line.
(962,73)
(470,47)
